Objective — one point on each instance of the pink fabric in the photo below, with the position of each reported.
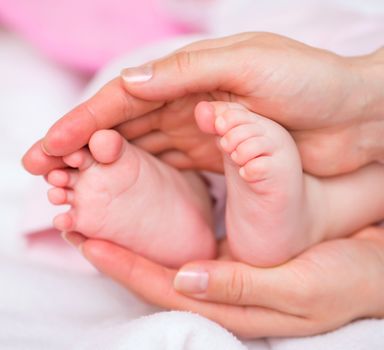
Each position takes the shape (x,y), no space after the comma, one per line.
(86,34)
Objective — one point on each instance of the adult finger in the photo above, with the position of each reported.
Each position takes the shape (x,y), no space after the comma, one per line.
(177,159)
(154,142)
(135,128)
(39,163)
(108,108)
(240,284)
(217,42)
(203,68)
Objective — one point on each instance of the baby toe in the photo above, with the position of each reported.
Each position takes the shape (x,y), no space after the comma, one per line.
(64,222)
(106,146)
(256,169)
(205,117)
(232,118)
(62,178)
(231,140)
(60,196)
(251,148)
(80,159)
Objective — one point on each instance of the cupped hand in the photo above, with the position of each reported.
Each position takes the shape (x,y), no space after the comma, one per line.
(327,101)
(324,288)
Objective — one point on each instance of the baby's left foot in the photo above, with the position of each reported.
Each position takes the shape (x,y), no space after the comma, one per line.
(267,213)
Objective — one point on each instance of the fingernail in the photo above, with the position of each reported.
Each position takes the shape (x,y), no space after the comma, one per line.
(137,74)
(191,281)
(74,239)
(44,149)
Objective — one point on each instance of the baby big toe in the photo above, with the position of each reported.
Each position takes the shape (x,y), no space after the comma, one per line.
(106,146)
(205,117)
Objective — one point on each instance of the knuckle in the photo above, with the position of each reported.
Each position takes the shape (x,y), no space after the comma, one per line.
(183,61)
(238,287)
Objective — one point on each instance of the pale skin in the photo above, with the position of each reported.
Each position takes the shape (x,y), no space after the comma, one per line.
(111,188)
(183,75)
(274,211)
(318,118)
(293,299)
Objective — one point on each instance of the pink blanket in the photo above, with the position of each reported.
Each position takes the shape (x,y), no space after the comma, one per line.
(88,33)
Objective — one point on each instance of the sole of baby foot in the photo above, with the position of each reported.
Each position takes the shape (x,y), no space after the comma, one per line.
(267,216)
(119,193)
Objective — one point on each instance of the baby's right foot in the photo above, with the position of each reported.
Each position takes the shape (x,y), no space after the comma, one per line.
(267,215)
(120,193)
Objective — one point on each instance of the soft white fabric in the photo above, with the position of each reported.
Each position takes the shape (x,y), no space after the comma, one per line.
(34,92)
(362,335)
(168,330)
(49,297)
(45,307)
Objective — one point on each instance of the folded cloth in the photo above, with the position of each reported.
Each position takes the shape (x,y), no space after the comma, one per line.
(173,330)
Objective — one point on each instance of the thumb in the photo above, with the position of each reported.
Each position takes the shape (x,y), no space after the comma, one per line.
(235,283)
(185,72)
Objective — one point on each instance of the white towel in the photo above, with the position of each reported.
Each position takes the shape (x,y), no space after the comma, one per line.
(360,335)
(163,331)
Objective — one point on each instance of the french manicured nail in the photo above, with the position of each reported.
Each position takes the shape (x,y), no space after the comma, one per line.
(74,239)
(137,74)
(191,281)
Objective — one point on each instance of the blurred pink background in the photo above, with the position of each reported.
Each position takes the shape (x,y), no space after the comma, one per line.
(88,33)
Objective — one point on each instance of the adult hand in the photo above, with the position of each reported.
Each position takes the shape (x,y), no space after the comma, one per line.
(330,103)
(324,288)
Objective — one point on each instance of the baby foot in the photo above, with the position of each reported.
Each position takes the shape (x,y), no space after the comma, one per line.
(120,193)
(266,218)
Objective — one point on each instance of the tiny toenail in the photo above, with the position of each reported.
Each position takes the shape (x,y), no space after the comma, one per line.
(223,143)
(242,172)
(220,123)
